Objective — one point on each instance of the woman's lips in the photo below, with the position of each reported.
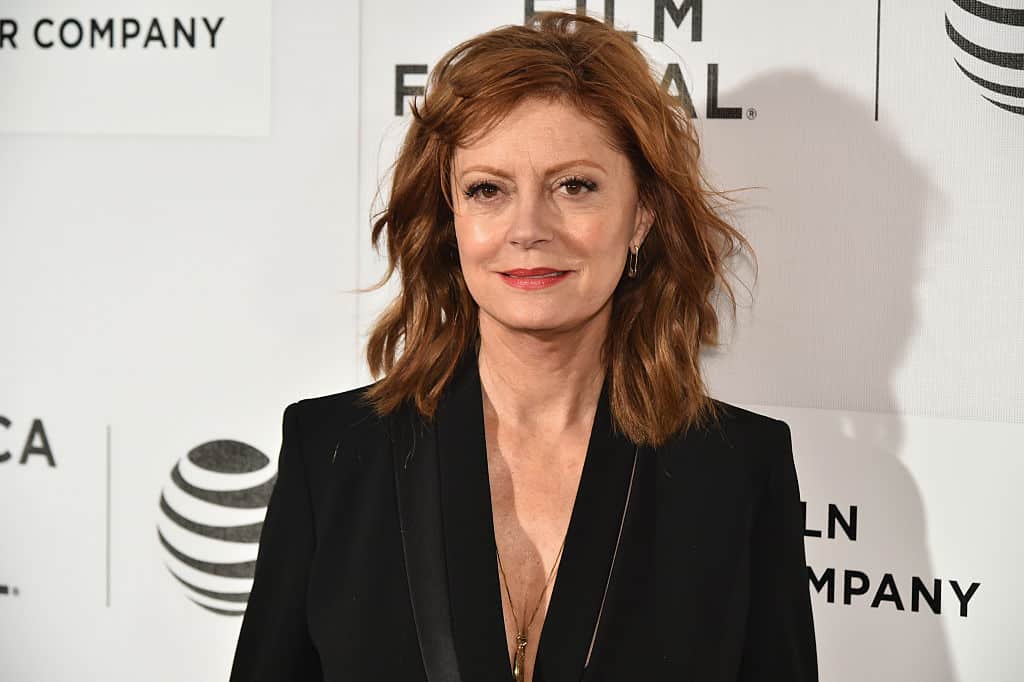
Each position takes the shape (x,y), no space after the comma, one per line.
(533,278)
(527,272)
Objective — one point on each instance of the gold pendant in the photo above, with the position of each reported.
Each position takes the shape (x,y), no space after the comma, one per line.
(519,665)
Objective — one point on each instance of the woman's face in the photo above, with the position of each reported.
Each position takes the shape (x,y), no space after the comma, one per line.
(543,192)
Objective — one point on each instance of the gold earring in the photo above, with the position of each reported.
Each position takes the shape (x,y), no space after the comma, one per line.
(632,260)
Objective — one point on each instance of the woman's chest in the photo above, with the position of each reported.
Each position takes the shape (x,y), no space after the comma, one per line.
(660,599)
(532,493)
(532,487)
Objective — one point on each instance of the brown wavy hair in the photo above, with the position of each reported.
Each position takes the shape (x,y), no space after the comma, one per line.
(660,319)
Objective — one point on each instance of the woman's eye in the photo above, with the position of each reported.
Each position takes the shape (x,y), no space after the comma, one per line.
(487,189)
(574,186)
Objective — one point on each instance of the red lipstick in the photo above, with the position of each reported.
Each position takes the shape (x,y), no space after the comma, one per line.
(533,278)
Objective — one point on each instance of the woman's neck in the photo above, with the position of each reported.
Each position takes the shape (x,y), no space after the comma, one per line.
(542,381)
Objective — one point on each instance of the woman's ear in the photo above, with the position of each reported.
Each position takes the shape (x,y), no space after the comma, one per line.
(642,224)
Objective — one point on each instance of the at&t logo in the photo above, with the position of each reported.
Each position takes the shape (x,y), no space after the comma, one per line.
(211,515)
(989,42)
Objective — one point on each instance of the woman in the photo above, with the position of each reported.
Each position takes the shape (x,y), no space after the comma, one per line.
(539,487)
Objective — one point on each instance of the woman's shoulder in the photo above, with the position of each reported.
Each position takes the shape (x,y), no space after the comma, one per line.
(351,403)
(339,438)
(741,420)
(345,416)
(740,439)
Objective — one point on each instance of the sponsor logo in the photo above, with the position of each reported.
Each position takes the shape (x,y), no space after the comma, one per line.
(121,33)
(211,517)
(36,445)
(980,32)
(891,590)
(677,12)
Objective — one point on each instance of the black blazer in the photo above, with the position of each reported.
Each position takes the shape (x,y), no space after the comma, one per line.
(377,555)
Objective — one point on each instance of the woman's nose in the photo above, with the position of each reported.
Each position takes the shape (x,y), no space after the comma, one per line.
(533,220)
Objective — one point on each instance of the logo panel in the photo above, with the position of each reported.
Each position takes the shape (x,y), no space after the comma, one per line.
(981,32)
(211,517)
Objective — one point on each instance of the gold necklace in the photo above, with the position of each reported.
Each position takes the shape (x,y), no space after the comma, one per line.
(519,664)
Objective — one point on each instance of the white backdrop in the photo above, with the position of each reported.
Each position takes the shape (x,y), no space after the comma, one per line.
(182,226)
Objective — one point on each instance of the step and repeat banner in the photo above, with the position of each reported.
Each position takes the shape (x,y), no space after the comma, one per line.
(187,189)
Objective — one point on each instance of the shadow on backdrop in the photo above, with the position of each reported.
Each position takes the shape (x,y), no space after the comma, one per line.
(840,230)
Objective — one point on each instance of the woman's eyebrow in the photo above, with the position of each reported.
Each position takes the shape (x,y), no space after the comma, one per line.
(493,170)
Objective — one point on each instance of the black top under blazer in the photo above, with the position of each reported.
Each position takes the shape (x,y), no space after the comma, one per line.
(377,556)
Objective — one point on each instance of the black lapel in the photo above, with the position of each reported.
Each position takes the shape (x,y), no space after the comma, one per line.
(468,538)
(589,546)
(417,487)
(469,529)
